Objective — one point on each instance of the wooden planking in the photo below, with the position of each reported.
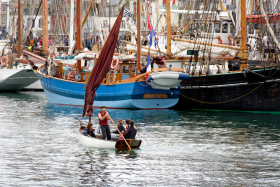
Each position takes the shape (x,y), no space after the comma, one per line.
(133,143)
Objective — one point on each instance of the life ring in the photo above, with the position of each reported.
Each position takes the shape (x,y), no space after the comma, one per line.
(2,60)
(69,75)
(117,63)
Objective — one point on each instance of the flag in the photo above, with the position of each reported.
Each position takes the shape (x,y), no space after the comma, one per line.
(147,1)
(152,34)
(148,16)
(148,68)
(127,13)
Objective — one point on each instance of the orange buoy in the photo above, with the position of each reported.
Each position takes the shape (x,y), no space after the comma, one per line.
(4,58)
(117,63)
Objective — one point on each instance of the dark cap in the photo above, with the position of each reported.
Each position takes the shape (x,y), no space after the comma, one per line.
(102,106)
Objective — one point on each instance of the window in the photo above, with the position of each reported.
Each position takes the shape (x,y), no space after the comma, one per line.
(133,67)
(225,28)
(33,21)
(217,27)
(3,19)
(125,69)
(232,29)
(40,23)
(3,8)
(123,24)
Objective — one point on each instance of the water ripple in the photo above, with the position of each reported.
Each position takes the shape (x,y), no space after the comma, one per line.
(40,147)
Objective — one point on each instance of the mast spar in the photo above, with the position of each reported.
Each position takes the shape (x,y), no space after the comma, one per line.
(138,36)
(168,27)
(45,26)
(243,55)
(19,30)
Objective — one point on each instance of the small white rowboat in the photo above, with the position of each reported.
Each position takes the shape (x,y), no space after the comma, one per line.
(106,144)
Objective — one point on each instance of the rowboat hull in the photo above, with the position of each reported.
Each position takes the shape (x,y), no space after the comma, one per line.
(96,142)
(107,144)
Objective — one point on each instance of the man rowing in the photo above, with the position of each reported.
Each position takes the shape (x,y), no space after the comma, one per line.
(104,126)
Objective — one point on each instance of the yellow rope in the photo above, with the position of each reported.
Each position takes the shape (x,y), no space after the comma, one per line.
(232,99)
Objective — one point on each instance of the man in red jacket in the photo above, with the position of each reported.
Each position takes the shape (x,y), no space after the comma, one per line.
(104,126)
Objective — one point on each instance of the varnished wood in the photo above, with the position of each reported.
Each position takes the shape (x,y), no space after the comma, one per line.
(89,8)
(45,26)
(168,20)
(243,33)
(138,35)
(19,29)
(120,144)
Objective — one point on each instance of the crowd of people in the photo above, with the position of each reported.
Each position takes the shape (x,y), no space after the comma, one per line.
(103,130)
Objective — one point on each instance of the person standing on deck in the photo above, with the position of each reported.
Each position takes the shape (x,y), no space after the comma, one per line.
(103,118)
(32,44)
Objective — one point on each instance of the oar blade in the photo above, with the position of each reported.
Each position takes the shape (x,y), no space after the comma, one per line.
(134,144)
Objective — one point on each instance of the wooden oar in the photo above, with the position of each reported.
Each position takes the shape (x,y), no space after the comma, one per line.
(120,133)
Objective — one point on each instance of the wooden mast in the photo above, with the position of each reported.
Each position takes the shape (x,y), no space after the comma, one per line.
(243,55)
(89,8)
(45,26)
(79,33)
(19,30)
(168,27)
(138,36)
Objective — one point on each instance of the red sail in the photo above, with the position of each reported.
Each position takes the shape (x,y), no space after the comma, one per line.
(102,66)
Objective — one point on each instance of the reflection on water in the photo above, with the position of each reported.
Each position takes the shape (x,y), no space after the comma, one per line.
(39,147)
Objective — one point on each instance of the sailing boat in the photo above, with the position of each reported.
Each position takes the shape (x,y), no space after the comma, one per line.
(121,88)
(97,75)
(251,87)
(213,83)
(14,78)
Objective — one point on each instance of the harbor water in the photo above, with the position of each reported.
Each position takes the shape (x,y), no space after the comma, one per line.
(40,147)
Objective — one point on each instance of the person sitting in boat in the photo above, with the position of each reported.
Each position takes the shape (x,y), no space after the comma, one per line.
(130,133)
(89,130)
(98,133)
(115,134)
(104,126)
(126,127)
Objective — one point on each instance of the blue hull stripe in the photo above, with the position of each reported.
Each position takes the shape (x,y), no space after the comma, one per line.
(103,98)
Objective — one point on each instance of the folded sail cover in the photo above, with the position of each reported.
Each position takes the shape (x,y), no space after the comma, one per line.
(102,66)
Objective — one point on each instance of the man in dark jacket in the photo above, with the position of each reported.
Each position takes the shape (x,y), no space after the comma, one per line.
(130,133)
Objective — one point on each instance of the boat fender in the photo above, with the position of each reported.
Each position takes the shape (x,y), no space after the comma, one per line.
(117,63)
(6,59)
(178,87)
(184,76)
(69,75)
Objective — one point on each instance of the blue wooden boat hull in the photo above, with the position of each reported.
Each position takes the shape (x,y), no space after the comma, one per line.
(125,95)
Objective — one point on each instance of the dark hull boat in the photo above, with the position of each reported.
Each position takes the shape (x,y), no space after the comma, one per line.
(256,90)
